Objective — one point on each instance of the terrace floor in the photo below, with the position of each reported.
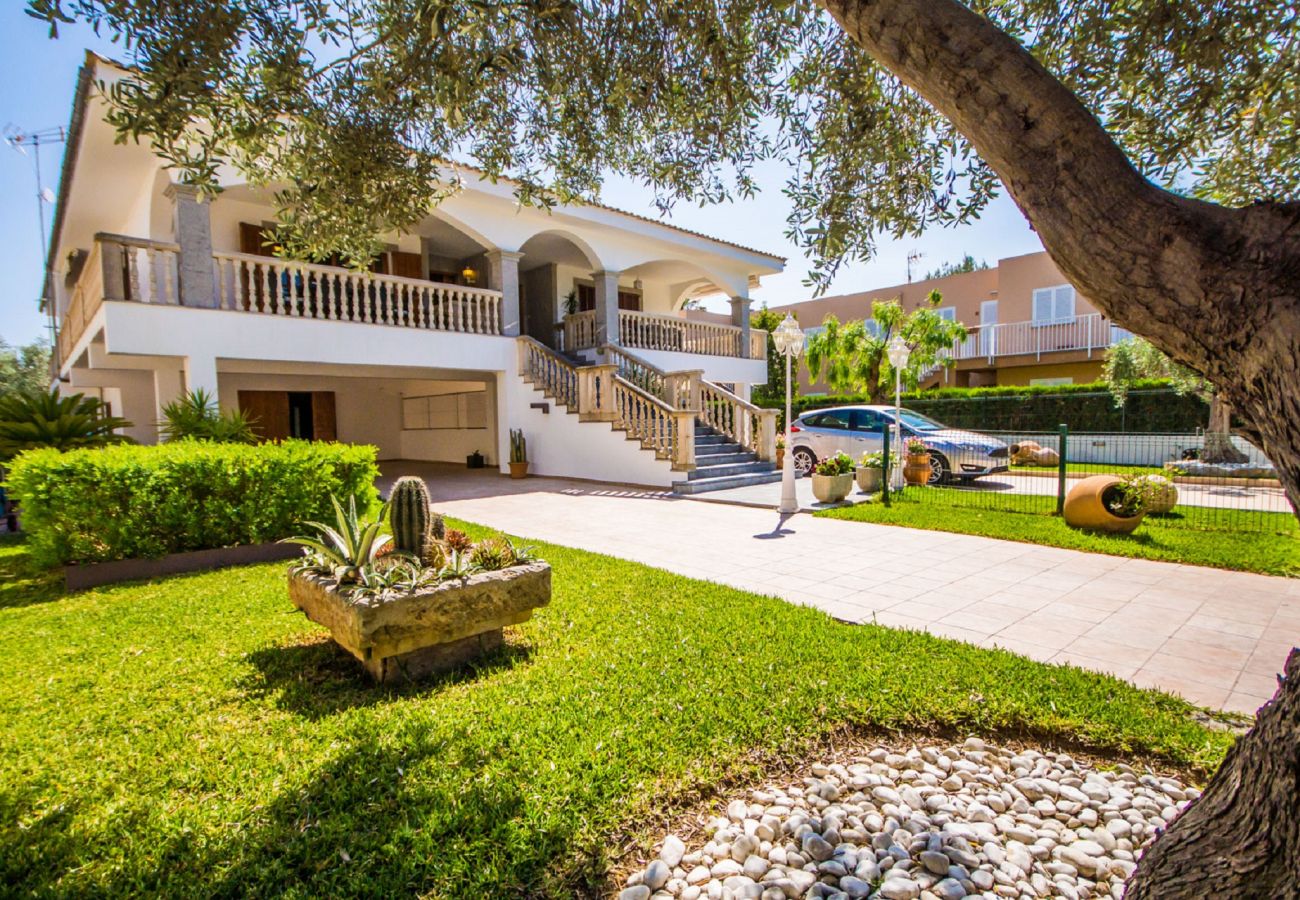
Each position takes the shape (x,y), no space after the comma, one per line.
(1217,638)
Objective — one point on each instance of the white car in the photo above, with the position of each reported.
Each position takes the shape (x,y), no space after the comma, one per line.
(954,453)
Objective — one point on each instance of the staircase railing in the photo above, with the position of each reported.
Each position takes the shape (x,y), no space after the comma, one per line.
(677,389)
(598,393)
(554,375)
(744,423)
(753,427)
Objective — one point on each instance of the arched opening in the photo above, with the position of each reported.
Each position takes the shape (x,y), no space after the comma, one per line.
(555,280)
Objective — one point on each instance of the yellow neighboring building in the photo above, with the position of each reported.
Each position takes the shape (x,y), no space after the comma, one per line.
(1027,324)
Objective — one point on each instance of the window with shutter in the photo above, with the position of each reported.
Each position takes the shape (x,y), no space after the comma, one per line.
(1054,305)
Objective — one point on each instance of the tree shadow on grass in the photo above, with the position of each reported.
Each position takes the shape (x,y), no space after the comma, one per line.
(314,677)
(22,582)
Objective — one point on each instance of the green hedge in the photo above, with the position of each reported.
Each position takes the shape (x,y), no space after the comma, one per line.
(132,501)
(1152,408)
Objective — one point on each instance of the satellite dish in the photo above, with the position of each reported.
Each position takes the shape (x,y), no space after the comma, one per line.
(47,195)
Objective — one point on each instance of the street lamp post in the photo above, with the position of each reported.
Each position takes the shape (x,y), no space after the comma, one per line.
(898,352)
(789,343)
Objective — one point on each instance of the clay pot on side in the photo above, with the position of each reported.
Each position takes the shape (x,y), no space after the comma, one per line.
(519,470)
(869,479)
(1085,507)
(831,488)
(916,469)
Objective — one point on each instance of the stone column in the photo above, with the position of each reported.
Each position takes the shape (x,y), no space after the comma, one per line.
(503,276)
(193,228)
(740,318)
(606,283)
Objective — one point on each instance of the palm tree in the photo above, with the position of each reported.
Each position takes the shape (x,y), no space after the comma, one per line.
(30,419)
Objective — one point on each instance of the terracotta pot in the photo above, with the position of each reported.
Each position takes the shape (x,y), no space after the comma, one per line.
(519,469)
(1084,507)
(831,488)
(869,479)
(780,457)
(916,469)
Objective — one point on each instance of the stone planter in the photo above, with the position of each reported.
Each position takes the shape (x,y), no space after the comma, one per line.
(916,470)
(831,488)
(432,630)
(869,479)
(519,469)
(1085,507)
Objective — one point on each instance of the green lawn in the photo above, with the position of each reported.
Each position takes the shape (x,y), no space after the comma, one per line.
(1076,468)
(1273,552)
(197,736)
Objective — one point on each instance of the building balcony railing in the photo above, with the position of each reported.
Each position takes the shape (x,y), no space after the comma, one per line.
(1088,333)
(144,271)
(651,331)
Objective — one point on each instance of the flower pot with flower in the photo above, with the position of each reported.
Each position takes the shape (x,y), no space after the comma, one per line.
(916,469)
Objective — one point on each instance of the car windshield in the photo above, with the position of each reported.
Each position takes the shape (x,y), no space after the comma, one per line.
(916,421)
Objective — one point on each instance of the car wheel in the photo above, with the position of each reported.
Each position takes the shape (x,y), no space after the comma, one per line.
(940,470)
(804,460)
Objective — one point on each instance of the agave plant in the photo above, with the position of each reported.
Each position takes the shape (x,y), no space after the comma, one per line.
(400,577)
(39,419)
(345,548)
(197,415)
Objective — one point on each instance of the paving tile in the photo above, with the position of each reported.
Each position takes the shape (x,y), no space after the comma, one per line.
(1264,686)
(1215,638)
(1095,664)
(1030,633)
(968,635)
(1180,669)
(1224,657)
(1243,703)
(1023,648)
(1224,625)
(1125,656)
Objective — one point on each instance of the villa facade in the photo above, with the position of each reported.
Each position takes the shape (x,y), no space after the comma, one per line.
(485,316)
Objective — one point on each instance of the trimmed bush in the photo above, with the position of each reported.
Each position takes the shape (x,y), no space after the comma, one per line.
(128,502)
(1152,408)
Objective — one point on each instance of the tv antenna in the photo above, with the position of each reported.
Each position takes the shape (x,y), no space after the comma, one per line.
(19,140)
(912,257)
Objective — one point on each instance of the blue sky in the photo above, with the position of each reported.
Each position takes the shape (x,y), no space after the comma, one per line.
(37,77)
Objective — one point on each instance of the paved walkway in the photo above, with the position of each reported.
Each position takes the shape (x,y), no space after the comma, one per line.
(1217,638)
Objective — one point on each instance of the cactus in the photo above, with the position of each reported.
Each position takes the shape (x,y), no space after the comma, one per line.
(409,516)
(518,446)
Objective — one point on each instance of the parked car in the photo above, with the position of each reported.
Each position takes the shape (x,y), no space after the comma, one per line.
(954,453)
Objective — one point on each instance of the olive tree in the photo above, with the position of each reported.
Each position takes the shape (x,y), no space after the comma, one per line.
(1152,145)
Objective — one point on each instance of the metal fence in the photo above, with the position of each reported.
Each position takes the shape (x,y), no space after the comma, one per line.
(1042,467)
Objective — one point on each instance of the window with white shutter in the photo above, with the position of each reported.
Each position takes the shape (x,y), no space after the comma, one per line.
(1054,305)
(947,313)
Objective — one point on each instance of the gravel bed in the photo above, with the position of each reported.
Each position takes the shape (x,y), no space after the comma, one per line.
(933,823)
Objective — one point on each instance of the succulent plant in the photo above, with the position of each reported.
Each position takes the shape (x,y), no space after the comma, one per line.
(492,554)
(409,516)
(457,541)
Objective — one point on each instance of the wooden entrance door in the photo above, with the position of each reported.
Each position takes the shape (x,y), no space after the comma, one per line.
(270,412)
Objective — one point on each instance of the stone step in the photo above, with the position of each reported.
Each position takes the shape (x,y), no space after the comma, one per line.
(723,459)
(702,440)
(702,485)
(743,468)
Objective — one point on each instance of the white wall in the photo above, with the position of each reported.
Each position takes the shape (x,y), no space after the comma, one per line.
(560,445)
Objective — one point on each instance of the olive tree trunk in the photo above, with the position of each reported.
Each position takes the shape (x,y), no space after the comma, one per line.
(1218,435)
(1242,838)
(1216,289)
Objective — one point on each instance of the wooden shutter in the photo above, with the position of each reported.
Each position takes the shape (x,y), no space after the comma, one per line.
(407,265)
(323,422)
(254,239)
(629,300)
(586,297)
(270,412)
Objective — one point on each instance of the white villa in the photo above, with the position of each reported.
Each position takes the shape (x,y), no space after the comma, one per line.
(484,317)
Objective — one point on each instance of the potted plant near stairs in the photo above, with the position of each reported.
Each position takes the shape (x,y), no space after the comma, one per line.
(1111,504)
(518,454)
(833,478)
(916,470)
(870,471)
(780,451)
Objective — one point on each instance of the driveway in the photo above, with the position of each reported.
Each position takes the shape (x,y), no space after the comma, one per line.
(1217,638)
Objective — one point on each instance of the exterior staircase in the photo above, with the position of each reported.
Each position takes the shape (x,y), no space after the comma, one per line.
(721,463)
(709,438)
